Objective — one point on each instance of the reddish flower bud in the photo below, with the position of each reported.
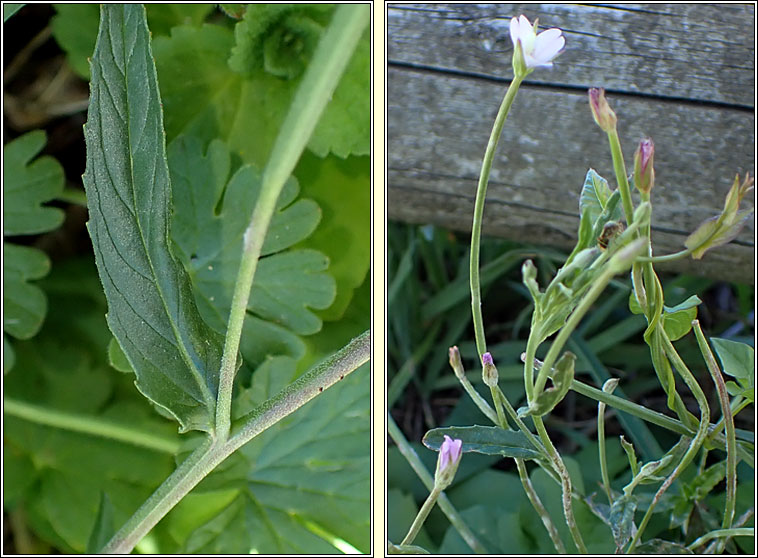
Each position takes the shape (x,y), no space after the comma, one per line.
(644,174)
(601,111)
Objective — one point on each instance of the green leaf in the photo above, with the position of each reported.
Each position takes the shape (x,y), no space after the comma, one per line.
(598,200)
(103,529)
(235,11)
(342,189)
(75,28)
(677,321)
(304,479)
(161,18)
(737,359)
(713,232)
(24,304)
(10,9)
(489,440)
(548,399)
(117,358)
(619,517)
(151,309)
(26,186)
(212,210)
(204,97)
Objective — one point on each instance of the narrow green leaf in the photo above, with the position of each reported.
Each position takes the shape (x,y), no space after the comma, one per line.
(151,308)
(548,399)
(103,529)
(715,232)
(27,185)
(489,440)
(691,302)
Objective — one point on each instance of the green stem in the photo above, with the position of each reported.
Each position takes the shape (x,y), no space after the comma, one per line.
(547,521)
(501,421)
(719,533)
(423,513)
(648,415)
(731,441)
(478,400)
(695,444)
(598,286)
(324,71)
(566,488)
(476,227)
(90,424)
(445,505)
(620,170)
(601,451)
(212,452)
(665,257)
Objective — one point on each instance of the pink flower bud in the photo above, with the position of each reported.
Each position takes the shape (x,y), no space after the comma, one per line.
(601,111)
(450,453)
(644,174)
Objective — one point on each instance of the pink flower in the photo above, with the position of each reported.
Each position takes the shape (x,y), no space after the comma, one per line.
(450,453)
(537,50)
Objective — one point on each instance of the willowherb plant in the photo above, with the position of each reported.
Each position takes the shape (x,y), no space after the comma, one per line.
(613,238)
(211,279)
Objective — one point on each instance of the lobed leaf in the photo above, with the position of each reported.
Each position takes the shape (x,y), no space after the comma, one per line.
(24,304)
(489,440)
(212,210)
(151,309)
(297,486)
(27,185)
(58,475)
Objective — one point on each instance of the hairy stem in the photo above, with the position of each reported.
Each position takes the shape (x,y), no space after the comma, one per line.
(476,227)
(212,452)
(539,508)
(731,442)
(695,444)
(324,71)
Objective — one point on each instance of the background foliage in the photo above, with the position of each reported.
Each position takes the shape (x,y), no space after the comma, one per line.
(302,486)
(429,311)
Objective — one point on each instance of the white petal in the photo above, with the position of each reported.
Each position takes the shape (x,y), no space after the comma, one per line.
(514,31)
(548,47)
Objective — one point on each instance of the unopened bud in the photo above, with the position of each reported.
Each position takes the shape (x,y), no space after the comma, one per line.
(454,356)
(489,372)
(601,111)
(644,174)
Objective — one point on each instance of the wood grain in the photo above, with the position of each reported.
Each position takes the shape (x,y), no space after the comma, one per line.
(668,78)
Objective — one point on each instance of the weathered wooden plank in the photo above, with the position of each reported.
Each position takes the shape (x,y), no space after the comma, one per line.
(439,122)
(700,51)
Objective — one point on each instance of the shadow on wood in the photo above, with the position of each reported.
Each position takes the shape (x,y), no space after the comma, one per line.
(671,73)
